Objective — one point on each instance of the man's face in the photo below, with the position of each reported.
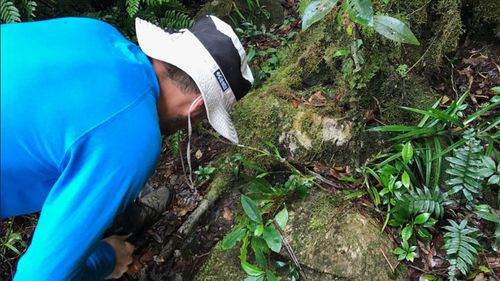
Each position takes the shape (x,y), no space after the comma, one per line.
(175,104)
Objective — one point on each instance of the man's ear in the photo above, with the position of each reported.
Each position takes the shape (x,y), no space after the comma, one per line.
(198,106)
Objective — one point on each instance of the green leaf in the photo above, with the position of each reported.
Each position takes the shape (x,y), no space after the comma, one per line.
(361,11)
(410,256)
(258,230)
(488,162)
(407,232)
(482,267)
(422,218)
(495,179)
(393,128)
(488,216)
(424,234)
(399,251)
(407,152)
(405,179)
(251,269)
(232,238)
(254,278)
(439,115)
(394,29)
(251,209)
(282,218)
(315,11)
(429,277)
(273,238)
(260,258)
(270,276)
(339,53)
(496,89)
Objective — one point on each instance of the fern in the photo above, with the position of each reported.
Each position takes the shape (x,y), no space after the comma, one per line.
(132,7)
(30,8)
(176,20)
(461,248)
(156,3)
(465,168)
(423,201)
(9,12)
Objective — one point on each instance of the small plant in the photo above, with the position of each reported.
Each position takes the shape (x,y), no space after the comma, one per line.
(359,12)
(405,252)
(398,179)
(24,11)
(402,70)
(265,61)
(260,227)
(204,173)
(261,237)
(461,248)
(10,241)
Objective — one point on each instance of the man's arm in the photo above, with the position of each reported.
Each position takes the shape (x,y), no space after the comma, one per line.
(102,172)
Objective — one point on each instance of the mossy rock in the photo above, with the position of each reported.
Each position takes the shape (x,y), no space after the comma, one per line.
(331,240)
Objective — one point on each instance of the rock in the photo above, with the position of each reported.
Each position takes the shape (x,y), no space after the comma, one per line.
(330,239)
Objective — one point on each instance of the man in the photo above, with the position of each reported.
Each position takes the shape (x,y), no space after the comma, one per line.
(82,110)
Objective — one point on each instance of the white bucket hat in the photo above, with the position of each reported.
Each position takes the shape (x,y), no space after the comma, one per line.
(209,52)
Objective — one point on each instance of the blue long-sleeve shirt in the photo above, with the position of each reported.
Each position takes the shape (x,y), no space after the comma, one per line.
(79,139)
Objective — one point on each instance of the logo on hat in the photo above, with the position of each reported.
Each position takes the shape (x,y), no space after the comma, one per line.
(221,79)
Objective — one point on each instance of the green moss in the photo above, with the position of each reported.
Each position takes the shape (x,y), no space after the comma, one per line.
(322,211)
(487,13)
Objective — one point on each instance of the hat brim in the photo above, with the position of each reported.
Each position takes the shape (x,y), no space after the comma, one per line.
(186,52)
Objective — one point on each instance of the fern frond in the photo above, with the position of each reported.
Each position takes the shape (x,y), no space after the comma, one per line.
(465,168)
(171,3)
(461,247)
(26,9)
(132,7)
(30,9)
(9,12)
(176,20)
(423,201)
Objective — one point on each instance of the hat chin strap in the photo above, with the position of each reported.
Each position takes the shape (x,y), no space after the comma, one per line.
(189,179)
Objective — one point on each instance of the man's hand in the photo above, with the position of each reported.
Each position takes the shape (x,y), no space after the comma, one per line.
(123,252)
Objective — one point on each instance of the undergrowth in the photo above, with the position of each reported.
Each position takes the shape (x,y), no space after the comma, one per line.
(440,168)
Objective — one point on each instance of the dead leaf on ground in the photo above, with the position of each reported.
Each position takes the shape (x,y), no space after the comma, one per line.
(445,100)
(227,214)
(198,154)
(317,99)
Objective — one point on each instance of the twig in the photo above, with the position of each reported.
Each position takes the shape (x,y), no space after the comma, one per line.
(290,251)
(423,55)
(423,6)
(387,260)
(452,82)
(419,269)
(327,181)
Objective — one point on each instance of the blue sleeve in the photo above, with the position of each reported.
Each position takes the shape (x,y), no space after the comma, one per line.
(101,173)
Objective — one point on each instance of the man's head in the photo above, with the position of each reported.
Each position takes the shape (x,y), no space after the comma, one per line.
(179,97)
(213,57)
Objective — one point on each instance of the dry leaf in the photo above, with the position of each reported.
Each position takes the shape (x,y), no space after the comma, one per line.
(198,154)
(227,214)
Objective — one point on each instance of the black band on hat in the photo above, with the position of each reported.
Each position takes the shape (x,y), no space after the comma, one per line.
(225,54)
